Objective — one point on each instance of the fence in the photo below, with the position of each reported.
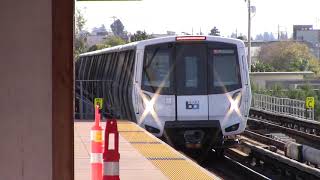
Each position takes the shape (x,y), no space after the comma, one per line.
(284,106)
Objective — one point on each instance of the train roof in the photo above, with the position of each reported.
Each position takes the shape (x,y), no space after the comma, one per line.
(142,44)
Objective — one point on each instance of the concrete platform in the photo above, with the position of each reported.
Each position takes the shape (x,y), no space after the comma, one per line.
(142,156)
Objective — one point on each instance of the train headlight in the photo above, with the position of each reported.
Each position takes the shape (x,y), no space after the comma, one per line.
(148,104)
(235,101)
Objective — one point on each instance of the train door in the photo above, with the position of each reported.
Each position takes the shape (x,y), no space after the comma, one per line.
(191,82)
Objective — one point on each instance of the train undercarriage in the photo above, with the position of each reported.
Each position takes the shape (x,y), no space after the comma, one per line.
(197,139)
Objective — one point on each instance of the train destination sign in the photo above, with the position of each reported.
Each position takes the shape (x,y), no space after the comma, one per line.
(310,102)
(99,102)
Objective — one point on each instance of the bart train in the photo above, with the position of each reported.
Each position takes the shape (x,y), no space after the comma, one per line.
(192,90)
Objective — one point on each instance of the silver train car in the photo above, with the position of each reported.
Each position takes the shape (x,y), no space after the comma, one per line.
(194,91)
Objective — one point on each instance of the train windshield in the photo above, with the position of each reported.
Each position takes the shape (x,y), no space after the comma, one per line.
(191,67)
(200,68)
(224,70)
(156,69)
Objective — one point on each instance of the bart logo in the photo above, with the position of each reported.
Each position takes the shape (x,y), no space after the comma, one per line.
(192,105)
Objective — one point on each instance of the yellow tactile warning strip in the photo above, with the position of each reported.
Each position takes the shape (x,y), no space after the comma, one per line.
(127,126)
(180,169)
(135,136)
(170,162)
(155,151)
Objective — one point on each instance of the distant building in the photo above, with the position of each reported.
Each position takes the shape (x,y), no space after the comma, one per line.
(169,33)
(95,39)
(300,28)
(97,36)
(99,31)
(306,33)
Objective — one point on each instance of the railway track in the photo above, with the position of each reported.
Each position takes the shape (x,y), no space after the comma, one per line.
(260,157)
(256,162)
(277,166)
(229,167)
(302,131)
(305,126)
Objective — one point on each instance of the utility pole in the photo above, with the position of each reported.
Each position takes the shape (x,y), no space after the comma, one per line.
(249,35)
(278,32)
(114,18)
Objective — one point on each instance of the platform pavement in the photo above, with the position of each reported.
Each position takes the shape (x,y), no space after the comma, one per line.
(133,164)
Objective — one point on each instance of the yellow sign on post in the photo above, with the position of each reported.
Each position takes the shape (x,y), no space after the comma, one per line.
(99,102)
(310,102)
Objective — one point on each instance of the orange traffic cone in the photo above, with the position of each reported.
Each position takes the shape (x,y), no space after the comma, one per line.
(111,155)
(96,155)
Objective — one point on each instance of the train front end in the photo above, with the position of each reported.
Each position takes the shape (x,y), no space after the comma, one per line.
(194,90)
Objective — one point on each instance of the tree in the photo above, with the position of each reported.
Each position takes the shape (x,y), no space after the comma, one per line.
(80,34)
(242,37)
(109,42)
(140,35)
(214,31)
(98,46)
(261,67)
(233,35)
(114,41)
(117,28)
(288,56)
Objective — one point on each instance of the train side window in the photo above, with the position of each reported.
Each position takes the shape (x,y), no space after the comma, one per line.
(95,73)
(130,80)
(110,58)
(87,67)
(99,57)
(92,68)
(122,72)
(136,64)
(106,59)
(119,67)
(115,63)
(105,66)
(128,83)
(123,69)
(78,68)
(101,66)
(83,65)
(131,62)
(110,66)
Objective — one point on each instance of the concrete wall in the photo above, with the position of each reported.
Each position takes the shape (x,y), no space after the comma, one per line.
(261,78)
(25,90)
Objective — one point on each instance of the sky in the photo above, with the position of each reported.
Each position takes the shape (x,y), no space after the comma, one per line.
(158,16)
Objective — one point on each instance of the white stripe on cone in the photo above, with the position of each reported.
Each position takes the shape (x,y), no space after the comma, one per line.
(96,157)
(111,169)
